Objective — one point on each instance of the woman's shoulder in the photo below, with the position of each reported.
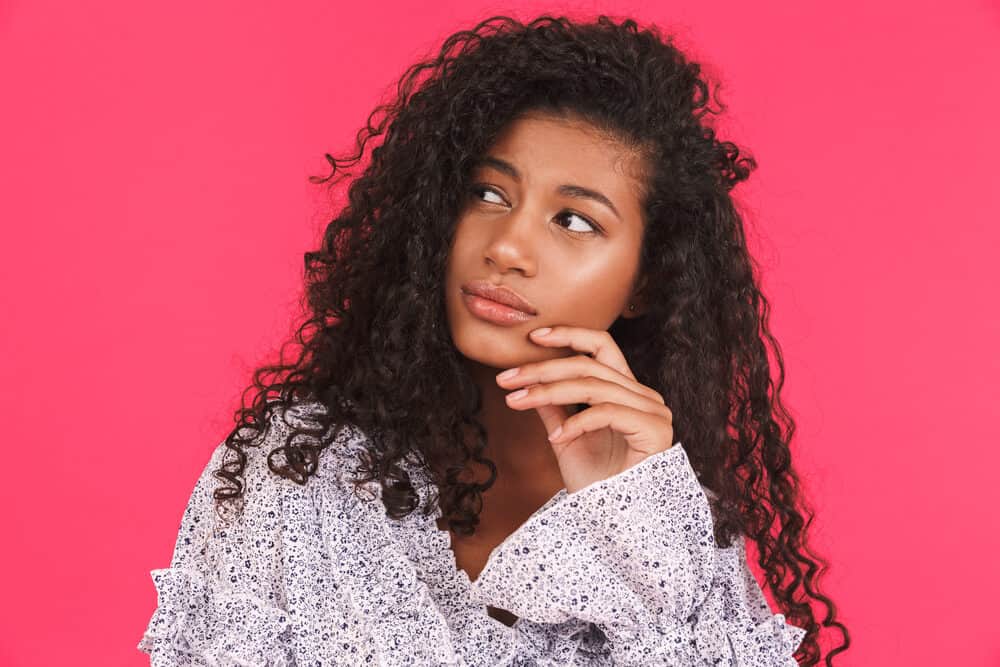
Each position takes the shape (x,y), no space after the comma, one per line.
(288,426)
(276,479)
(251,524)
(225,596)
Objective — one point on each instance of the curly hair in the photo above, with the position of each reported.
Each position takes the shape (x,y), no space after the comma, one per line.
(373,343)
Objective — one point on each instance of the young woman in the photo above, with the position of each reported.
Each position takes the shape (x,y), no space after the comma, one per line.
(531,419)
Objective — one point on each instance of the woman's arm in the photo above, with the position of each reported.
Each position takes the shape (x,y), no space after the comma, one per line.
(221,600)
(635,554)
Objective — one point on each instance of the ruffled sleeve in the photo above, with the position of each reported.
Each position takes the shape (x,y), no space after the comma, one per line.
(221,601)
(635,554)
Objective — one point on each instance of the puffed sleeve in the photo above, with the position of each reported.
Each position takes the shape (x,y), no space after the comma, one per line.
(635,554)
(221,601)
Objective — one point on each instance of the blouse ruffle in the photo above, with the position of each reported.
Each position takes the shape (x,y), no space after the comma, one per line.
(221,601)
(250,591)
(666,590)
(194,625)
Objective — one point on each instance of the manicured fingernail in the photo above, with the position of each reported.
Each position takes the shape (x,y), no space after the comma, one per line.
(506,375)
(542,331)
(555,434)
(520,393)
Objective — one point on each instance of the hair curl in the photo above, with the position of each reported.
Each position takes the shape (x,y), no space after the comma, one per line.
(374,347)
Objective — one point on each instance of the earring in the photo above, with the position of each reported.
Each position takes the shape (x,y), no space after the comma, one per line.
(631,306)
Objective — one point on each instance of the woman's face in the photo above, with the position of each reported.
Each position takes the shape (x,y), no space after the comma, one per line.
(536,222)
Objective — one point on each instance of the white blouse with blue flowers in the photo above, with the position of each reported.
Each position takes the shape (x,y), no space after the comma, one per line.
(625,571)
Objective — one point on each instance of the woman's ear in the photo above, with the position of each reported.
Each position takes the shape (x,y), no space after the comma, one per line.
(634,309)
(636,305)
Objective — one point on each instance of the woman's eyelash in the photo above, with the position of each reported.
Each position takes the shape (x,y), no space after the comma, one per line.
(477,189)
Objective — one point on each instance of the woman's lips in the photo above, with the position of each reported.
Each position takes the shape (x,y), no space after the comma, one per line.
(494,312)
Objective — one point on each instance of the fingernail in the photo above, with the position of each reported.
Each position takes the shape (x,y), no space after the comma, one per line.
(520,393)
(555,434)
(542,331)
(508,374)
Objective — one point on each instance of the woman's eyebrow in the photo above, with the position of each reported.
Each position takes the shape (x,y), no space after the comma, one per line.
(567,189)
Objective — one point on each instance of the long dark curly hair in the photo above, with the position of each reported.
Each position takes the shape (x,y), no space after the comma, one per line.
(374,348)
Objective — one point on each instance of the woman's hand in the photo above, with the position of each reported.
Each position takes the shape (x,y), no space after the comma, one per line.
(625,423)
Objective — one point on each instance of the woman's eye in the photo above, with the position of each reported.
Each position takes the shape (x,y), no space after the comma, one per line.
(594,229)
(478,190)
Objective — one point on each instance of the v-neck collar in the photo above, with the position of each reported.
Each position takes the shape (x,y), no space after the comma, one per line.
(459,598)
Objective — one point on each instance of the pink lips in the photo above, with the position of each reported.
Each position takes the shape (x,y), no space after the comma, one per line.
(499,294)
(493,311)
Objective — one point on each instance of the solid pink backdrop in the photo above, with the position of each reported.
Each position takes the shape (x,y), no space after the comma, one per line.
(155,210)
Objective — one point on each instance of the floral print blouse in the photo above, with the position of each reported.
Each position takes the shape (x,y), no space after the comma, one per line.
(625,571)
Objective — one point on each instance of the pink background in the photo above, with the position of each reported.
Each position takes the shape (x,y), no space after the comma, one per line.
(155,210)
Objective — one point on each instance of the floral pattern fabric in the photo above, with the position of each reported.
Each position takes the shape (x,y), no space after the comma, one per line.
(622,572)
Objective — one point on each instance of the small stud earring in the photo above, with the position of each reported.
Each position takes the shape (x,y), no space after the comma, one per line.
(631,306)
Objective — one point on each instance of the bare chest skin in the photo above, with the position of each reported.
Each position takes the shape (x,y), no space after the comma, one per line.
(505,509)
